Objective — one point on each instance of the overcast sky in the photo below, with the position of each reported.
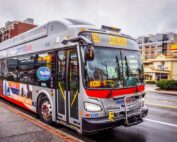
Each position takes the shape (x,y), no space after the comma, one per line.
(134,17)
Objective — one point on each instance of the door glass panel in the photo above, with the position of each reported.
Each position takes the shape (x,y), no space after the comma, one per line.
(61,81)
(73,83)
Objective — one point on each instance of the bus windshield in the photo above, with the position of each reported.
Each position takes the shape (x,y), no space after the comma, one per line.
(113,68)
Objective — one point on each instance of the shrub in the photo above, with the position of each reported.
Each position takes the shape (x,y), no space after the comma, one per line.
(167,84)
(150,82)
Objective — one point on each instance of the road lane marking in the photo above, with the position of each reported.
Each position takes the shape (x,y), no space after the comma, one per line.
(160,100)
(160,122)
(163,92)
(66,137)
(174,107)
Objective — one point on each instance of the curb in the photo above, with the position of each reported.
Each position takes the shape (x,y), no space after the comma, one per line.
(54,131)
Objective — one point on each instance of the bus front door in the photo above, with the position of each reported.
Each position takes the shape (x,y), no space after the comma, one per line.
(68,86)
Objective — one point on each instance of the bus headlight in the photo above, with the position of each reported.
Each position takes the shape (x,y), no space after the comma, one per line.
(92,107)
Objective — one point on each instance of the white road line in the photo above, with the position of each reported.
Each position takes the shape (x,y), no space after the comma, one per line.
(152,104)
(164,123)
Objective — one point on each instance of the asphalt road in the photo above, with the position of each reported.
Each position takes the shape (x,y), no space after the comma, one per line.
(159,126)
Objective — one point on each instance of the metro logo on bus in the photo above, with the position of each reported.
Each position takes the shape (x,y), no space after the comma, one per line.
(43,73)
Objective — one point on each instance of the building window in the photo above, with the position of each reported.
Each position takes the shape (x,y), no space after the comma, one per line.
(152,56)
(160,76)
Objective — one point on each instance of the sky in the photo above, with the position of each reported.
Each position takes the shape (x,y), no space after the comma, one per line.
(134,17)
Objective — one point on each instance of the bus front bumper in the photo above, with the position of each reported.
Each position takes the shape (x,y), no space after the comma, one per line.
(92,125)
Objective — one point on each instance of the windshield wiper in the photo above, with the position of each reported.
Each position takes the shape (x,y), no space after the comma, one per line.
(127,67)
(118,67)
(118,74)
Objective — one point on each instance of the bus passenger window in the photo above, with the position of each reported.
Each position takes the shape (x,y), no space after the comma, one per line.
(26,69)
(44,69)
(4,68)
(12,65)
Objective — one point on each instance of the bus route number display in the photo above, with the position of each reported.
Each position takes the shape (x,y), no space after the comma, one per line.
(109,39)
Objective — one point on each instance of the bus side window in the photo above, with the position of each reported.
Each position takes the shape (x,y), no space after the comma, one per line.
(4,70)
(12,66)
(26,69)
(44,68)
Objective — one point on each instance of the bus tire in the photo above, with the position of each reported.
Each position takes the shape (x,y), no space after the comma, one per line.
(45,110)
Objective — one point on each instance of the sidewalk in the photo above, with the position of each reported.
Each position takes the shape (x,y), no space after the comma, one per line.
(18,127)
(153,88)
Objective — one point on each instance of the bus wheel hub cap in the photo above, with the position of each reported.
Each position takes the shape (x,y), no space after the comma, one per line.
(46,110)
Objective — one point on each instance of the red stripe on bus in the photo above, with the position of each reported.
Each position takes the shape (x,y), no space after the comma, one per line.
(141,88)
(16,102)
(117,92)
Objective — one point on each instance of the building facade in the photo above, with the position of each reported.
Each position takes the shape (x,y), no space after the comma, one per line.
(159,55)
(160,68)
(14,28)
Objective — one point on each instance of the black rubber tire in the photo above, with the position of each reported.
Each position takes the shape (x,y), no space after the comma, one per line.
(47,121)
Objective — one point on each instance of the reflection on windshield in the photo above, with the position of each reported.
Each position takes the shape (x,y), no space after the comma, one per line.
(113,68)
(132,66)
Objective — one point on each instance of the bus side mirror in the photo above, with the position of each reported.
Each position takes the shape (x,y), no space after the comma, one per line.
(89,53)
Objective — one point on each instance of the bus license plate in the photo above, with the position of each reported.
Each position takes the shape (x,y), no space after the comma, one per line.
(120,101)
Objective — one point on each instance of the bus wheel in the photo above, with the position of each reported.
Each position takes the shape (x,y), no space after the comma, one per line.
(45,110)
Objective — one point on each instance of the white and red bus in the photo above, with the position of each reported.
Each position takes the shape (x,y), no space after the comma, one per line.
(74,73)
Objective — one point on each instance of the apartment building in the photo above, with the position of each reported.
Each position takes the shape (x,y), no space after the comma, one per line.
(160,67)
(159,55)
(14,28)
(153,45)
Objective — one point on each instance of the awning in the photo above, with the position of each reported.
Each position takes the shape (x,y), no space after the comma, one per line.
(157,71)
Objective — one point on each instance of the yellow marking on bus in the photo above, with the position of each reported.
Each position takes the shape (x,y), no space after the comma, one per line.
(109,82)
(62,93)
(112,40)
(120,41)
(83,29)
(75,96)
(96,38)
(91,53)
(111,116)
(81,113)
(95,83)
